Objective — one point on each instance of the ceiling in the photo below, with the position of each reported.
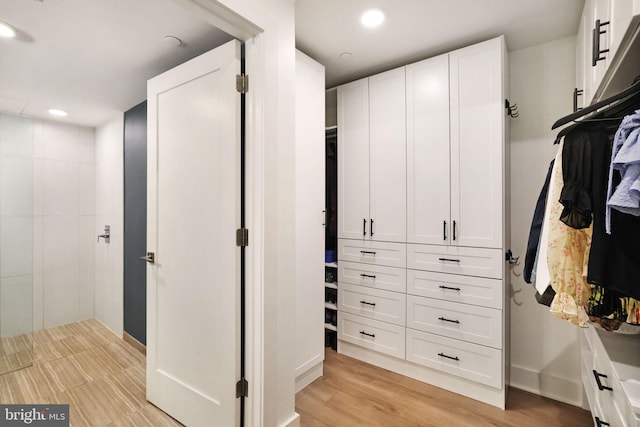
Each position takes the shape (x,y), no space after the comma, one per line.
(418,29)
(92,58)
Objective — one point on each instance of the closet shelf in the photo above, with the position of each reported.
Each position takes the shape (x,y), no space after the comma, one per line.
(330,285)
(331,264)
(330,306)
(330,327)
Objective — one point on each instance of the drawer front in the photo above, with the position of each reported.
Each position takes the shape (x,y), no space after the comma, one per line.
(470,361)
(452,287)
(479,325)
(376,253)
(480,262)
(372,334)
(373,303)
(373,276)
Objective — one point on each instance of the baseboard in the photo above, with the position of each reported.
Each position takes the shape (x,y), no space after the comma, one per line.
(547,385)
(135,343)
(309,376)
(294,421)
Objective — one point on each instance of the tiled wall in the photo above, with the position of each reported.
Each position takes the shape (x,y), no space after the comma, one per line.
(110,210)
(48,191)
(16,224)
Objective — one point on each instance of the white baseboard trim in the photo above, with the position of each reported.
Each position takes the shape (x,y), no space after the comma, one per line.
(294,421)
(306,378)
(554,387)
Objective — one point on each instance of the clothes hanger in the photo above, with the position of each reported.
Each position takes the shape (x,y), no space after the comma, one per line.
(632,90)
(626,104)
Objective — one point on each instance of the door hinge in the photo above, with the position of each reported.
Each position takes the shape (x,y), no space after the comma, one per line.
(242,83)
(242,388)
(242,237)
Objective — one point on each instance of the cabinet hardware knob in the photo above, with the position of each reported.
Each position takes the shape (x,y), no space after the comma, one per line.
(449,357)
(373,304)
(371,227)
(367,334)
(448,259)
(454,230)
(597,376)
(364,227)
(444,230)
(444,319)
(450,288)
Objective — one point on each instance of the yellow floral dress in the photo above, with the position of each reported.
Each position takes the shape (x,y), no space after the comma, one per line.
(567,257)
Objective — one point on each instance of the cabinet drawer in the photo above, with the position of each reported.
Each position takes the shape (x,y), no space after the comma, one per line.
(470,361)
(470,323)
(373,303)
(372,334)
(376,253)
(479,262)
(373,276)
(453,287)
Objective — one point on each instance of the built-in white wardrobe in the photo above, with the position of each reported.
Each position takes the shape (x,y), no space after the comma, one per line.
(310,202)
(422,176)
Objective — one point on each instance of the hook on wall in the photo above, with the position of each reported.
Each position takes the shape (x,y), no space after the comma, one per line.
(512,110)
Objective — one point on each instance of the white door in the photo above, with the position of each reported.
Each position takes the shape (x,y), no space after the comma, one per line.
(353,160)
(428,206)
(477,145)
(193,213)
(387,157)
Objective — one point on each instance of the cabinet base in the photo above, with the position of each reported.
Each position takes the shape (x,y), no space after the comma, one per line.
(485,394)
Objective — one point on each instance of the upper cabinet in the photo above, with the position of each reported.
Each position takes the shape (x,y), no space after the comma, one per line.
(607,48)
(455,147)
(372,158)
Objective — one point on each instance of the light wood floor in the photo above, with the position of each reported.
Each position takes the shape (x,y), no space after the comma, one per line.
(85,365)
(353,393)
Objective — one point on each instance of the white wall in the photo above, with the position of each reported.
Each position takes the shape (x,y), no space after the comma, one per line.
(47,222)
(109,210)
(545,357)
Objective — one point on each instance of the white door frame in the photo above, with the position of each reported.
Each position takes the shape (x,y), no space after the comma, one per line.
(225,19)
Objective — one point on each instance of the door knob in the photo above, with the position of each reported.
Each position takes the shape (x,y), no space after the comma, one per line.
(150,258)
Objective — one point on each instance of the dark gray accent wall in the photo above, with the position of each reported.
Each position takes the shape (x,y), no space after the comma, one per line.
(135,222)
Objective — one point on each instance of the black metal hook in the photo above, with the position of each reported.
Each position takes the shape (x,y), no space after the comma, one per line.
(512,110)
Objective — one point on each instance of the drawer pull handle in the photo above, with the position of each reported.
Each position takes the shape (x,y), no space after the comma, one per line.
(449,259)
(450,288)
(373,304)
(449,357)
(367,252)
(598,375)
(367,275)
(368,334)
(444,319)
(601,423)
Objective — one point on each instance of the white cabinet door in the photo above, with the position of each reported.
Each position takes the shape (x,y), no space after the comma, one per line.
(477,144)
(310,201)
(353,160)
(387,157)
(428,206)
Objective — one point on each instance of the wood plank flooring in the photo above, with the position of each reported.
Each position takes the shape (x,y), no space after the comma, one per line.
(85,365)
(353,393)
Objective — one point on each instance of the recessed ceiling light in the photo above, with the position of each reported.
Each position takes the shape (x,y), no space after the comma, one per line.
(7,30)
(56,112)
(372,18)
(346,55)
